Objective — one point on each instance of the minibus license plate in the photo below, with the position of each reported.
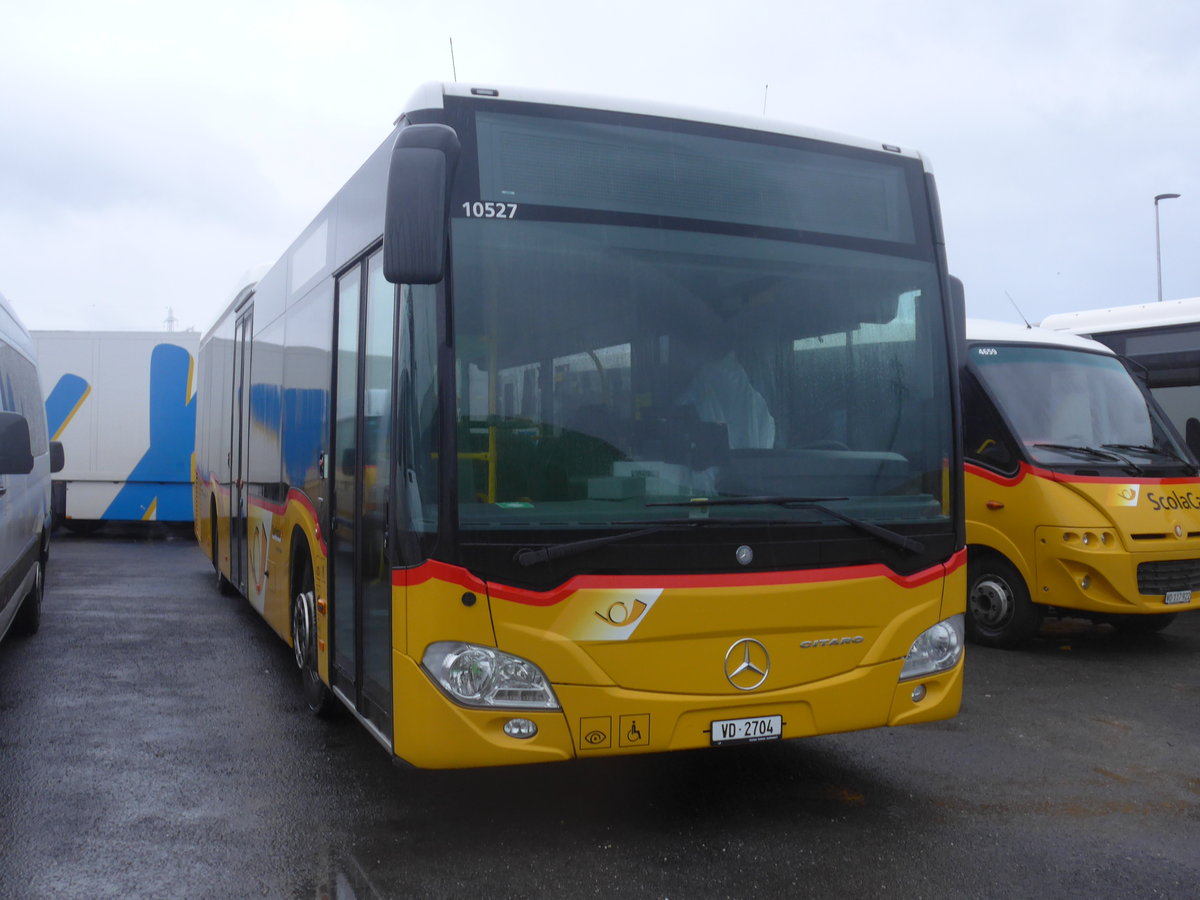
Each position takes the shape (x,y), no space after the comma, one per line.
(1174,597)
(741,731)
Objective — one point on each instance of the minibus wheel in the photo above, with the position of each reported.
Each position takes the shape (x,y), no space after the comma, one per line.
(317,695)
(999,611)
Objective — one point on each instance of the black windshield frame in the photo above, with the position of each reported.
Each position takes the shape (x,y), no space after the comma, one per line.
(941,539)
(1075,457)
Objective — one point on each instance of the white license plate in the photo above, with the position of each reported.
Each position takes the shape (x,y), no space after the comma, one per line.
(1174,597)
(742,731)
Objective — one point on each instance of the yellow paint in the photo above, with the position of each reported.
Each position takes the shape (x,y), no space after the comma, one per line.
(644,670)
(1060,534)
(637,669)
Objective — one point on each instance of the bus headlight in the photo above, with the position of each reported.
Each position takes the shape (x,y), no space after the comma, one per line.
(935,650)
(486,677)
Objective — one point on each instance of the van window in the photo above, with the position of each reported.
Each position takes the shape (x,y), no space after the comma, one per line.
(20,392)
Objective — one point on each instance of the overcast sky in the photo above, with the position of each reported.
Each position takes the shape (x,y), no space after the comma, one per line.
(152,152)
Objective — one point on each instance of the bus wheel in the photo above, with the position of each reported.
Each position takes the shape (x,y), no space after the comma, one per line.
(224,585)
(1147,624)
(999,611)
(317,695)
(29,617)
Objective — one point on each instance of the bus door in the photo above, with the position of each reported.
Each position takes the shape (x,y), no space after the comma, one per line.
(362,453)
(239,450)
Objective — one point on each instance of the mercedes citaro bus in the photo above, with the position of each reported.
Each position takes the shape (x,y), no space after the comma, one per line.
(575,427)
(1081,496)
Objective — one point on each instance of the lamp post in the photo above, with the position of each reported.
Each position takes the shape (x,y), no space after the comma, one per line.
(1157,242)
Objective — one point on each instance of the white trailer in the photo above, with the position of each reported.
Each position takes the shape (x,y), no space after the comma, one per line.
(123,404)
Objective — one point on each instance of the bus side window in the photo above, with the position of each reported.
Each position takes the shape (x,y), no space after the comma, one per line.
(985,438)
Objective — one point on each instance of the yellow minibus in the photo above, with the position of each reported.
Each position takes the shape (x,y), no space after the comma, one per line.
(1081,497)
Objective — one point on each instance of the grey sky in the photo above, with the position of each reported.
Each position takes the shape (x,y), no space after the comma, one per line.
(154,151)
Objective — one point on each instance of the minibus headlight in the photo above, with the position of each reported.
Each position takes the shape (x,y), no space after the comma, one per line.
(486,677)
(936,649)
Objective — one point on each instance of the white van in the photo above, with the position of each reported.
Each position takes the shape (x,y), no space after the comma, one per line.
(26,460)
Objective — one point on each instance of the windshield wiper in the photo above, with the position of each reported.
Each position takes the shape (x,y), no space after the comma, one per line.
(1095,452)
(894,538)
(527,556)
(1148,449)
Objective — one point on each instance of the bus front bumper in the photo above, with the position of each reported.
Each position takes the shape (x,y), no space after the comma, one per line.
(1099,575)
(605,720)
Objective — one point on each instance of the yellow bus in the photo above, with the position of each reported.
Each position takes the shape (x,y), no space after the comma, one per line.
(573,428)
(1081,496)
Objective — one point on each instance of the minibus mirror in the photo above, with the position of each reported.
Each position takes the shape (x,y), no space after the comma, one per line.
(416,217)
(16,452)
(57,458)
(1191,435)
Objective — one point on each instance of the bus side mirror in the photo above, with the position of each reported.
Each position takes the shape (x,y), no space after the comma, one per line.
(416,218)
(57,458)
(958,309)
(16,451)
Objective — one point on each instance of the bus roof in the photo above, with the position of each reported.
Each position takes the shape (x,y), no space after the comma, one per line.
(1008,333)
(243,287)
(431,94)
(1126,318)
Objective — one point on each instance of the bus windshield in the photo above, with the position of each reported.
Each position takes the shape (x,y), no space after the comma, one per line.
(645,315)
(1073,407)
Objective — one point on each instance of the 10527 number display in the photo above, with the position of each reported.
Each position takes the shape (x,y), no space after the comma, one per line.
(480,209)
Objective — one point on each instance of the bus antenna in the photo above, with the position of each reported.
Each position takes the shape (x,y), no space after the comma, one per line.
(453,67)
(1018,309)
(766,87)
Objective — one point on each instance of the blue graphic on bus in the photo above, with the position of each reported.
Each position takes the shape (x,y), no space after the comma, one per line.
(298,417)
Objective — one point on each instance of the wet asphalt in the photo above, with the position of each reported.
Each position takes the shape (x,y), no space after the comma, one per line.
(154,743)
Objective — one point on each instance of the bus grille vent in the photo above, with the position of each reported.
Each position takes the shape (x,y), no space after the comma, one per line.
(1149,537)
(1172,575)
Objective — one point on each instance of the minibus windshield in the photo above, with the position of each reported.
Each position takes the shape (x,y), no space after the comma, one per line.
(1069,407)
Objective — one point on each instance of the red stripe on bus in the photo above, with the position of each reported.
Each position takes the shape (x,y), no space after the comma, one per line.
(434,570)
(297,496)
(1066,478)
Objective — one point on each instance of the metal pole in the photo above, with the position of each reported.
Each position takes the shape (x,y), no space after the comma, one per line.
(1157,240)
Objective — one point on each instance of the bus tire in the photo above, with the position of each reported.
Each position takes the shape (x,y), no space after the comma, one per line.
(224,585)
(999,611)
(1140,624)
(317,696)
